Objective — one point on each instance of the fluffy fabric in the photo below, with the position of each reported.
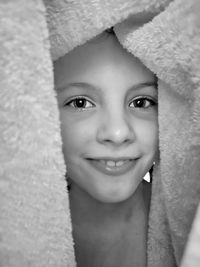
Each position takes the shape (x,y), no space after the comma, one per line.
(73,22)
(35,224)
(191,256)
(35,228)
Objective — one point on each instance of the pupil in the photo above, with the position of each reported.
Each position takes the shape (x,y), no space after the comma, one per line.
(80,103)
(139,103)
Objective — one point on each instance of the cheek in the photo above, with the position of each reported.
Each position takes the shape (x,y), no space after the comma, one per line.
(147,134)
(75,133)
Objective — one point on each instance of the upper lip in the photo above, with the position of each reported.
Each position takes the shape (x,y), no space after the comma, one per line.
(112,158)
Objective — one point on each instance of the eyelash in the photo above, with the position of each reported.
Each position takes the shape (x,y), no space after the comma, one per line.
(151,102)
(143,100)
(72,102)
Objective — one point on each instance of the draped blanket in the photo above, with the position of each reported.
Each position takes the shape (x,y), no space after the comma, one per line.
(35,223)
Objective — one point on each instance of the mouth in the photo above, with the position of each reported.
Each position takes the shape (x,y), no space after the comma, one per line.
(114,163)
(113,167)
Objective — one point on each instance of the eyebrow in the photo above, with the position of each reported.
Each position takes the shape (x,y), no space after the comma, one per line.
(96,88)
(79,85)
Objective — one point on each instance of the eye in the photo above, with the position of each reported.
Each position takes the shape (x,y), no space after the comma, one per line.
(80,103)
(142,103)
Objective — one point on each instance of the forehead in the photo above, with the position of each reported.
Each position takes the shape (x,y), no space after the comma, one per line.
(101,58)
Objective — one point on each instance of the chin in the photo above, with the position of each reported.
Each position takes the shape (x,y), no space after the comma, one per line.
(114,196)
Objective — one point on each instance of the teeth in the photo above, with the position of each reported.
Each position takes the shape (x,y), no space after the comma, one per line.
(112,163)
(119,163)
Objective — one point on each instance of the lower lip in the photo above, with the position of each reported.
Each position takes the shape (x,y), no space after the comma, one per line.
(113,171)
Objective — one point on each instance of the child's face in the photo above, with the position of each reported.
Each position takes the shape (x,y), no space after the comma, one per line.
(108,109)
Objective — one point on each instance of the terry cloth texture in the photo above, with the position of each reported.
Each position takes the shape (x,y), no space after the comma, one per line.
(191,256)
(35,228)
(35,224)
(73,22)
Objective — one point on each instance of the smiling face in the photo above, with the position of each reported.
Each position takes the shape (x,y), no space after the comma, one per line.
(108,111)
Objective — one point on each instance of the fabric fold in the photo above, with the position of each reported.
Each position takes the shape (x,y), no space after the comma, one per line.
(35,226)
(35,222)
(72,23)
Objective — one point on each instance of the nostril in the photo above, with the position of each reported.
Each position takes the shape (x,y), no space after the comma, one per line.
(116,135)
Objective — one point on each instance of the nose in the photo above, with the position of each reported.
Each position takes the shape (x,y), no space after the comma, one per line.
(116,128)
